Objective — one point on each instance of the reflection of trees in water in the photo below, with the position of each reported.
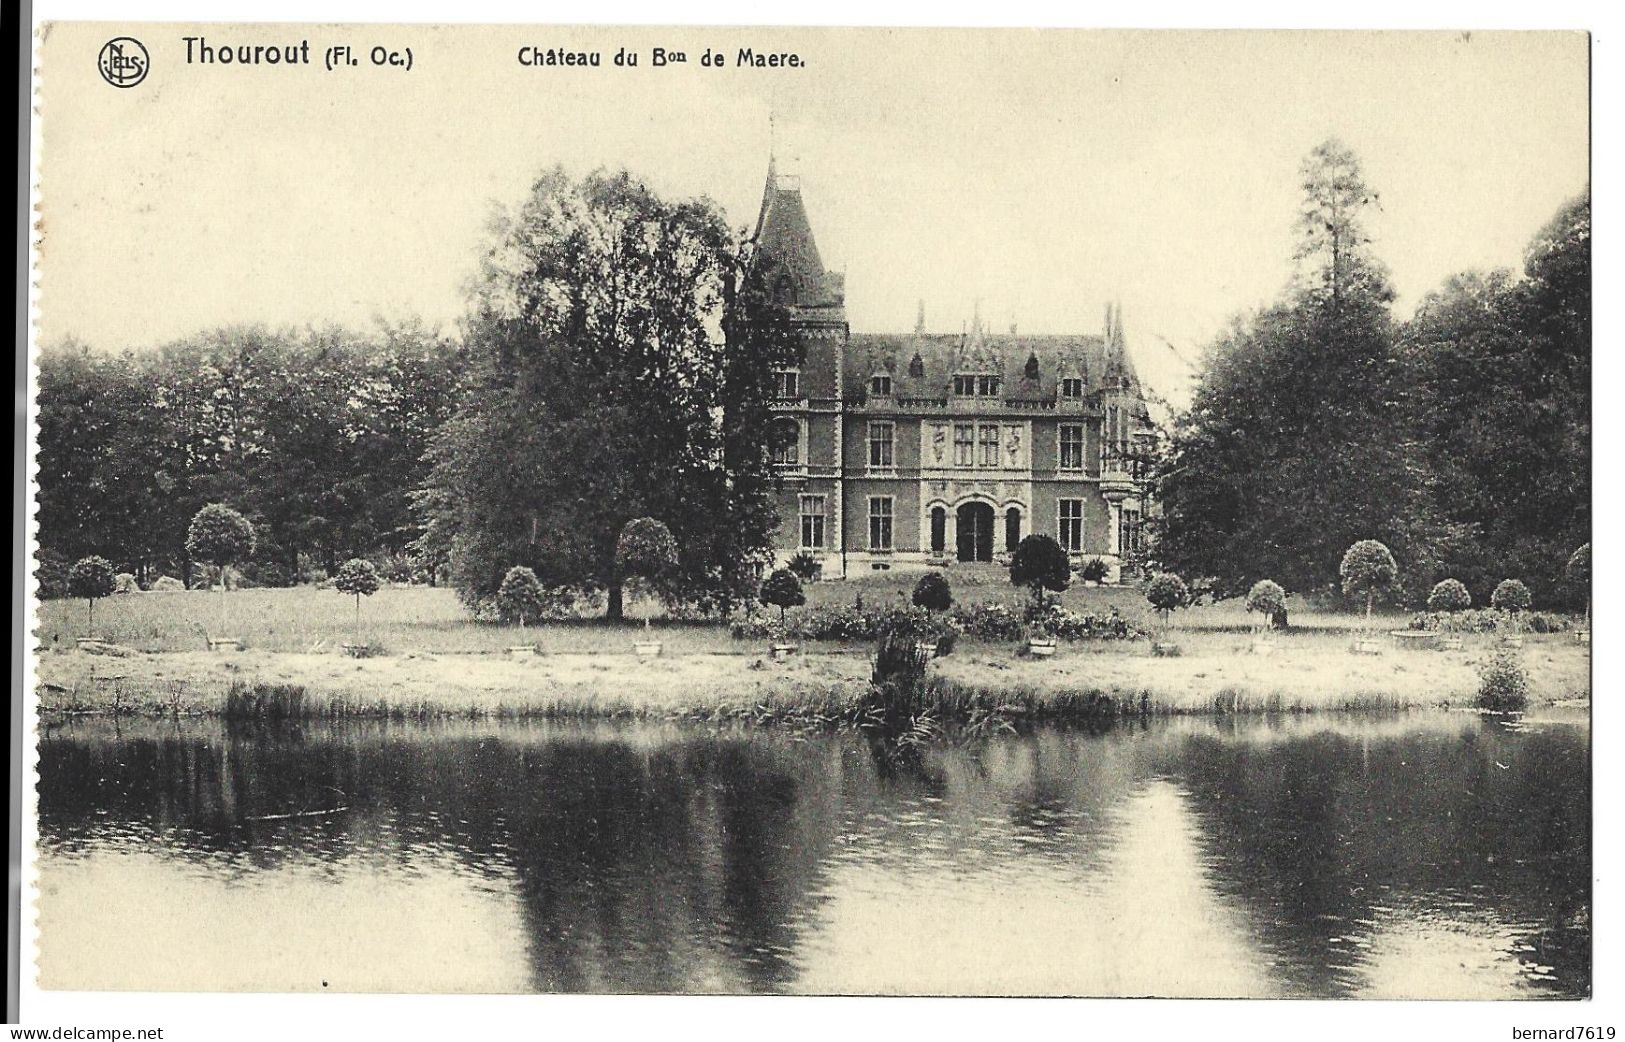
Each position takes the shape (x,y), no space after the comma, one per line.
(666,866)
(1317,833)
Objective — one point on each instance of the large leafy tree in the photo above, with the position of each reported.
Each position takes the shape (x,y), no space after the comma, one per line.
(1503,365)
(1297,440)
(621,347)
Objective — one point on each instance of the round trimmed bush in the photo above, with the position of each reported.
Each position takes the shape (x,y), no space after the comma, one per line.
(1040,564)
(1511,595)
(1368,569)
(1449,595)
(647,551)
(1167,592)
(220,536)
(92,578)
(1267,598)
(933,593)
(359,578)
(782,590)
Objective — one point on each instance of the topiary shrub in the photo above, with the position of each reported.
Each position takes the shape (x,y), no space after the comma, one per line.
(1040,564)
(222,537)
(359,578)
(1512,597)
(1503,685)
(1166,593)
(782,590)
(125,582)
(1267,598)
(933,593)
(520,596)
(1449,595)
(1368,570)
(647,553)
(91,578)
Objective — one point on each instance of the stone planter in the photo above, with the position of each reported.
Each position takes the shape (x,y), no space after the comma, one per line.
(1449,642)
(225,644)
(522,650)
(1040,647)
(1165,649)
(357,650)
(1366,646)
(1582,636)
(1512,640)
(782,651)
(90,643)
(646,648)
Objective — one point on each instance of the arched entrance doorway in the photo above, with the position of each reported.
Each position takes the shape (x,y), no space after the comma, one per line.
(975,524)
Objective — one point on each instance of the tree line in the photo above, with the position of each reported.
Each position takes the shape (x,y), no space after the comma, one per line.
(1459,437)
(316,435)
(616,362)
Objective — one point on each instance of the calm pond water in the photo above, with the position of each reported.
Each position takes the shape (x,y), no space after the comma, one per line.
(1422,855)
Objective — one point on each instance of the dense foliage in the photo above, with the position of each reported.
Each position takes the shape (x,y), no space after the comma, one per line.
(1503,684)
(1449,595)
(782,590)
(317,436)
(1459,438)
(1267,598)
(91,579)
(220,536)
(1368,569)
(1040,564)
(1511,595)
(622,348)
(933,593)
(985,620)
(519,597)
(1167,592)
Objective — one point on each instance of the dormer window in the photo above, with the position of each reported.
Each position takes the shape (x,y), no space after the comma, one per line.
(787,383)
(1071,387)
(966,386)
(880,385)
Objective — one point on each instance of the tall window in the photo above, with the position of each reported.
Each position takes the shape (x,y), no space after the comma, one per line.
(812,522)
(989,439)
(1072,525)
(1128,532)
(988,386)
(1071,446)
(786,443)
(1071,387)
(880,444)
(880,385)
(880,522)
(964,386)
(939,529)
(964,444)
(787,383)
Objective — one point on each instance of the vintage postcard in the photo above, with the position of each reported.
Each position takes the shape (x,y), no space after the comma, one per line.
(984,512)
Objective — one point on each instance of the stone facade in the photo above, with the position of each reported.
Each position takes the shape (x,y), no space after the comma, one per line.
(908,451)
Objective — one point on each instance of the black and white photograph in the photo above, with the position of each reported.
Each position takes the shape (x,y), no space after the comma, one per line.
(985,512)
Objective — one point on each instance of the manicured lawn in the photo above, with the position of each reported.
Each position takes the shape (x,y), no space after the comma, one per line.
(304,619)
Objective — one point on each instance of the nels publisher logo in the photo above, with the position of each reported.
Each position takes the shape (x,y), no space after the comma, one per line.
(123,61)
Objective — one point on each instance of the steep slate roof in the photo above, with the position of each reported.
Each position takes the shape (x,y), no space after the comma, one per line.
(942,356)
(784,233)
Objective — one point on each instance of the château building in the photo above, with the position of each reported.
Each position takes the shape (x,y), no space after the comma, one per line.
(925,449)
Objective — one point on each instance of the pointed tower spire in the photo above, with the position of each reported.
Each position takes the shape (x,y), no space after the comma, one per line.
(919,319)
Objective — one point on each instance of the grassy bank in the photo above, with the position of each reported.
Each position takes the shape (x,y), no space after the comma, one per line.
(1311,671)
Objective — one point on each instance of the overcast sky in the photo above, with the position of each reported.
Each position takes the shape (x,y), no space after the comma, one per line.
(1042,172)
